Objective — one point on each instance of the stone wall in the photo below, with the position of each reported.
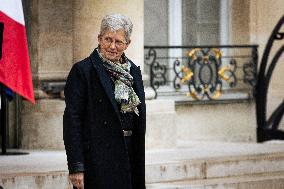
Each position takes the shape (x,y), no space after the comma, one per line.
(63,32)
(87,16)
(229,122)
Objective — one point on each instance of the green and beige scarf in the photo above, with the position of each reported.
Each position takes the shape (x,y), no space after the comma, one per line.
(123,81)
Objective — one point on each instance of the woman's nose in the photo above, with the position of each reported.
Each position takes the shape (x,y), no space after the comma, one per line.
(112,45)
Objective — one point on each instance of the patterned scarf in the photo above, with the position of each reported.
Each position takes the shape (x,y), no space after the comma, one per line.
(123,81)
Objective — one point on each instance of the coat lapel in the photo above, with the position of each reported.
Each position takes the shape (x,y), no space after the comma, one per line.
(105,80)
(137,79)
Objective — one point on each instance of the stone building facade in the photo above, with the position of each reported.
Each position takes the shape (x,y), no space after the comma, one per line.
(63,32)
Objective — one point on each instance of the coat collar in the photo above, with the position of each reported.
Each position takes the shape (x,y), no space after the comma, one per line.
(107,82)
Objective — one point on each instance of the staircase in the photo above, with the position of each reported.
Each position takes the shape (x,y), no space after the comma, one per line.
(193,165)
(218,166)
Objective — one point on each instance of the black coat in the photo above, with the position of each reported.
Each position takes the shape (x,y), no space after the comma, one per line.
(92,133)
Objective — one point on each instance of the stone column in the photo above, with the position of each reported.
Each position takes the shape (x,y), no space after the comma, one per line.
(49,25)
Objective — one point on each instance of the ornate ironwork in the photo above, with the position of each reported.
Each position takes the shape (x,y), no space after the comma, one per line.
(157,70)
(178,79)
(205,71)
(268,129)
(250,70)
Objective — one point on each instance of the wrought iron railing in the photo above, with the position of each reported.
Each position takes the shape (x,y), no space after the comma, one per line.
(268,127)
(202,72)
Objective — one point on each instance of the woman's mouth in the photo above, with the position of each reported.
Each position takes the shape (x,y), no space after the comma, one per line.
(112,53)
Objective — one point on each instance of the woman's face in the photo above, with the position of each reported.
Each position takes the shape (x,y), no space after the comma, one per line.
(112,44)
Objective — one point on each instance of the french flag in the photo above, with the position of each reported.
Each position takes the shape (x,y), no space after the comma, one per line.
(15,70)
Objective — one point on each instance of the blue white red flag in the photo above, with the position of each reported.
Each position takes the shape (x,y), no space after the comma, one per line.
(15,70)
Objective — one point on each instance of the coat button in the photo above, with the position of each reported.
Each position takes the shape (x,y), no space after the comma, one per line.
(100,100)
(105,122)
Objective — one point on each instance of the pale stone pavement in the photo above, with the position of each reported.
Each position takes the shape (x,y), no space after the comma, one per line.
(163,165)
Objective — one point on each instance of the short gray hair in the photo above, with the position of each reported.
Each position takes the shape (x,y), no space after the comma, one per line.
(117,22)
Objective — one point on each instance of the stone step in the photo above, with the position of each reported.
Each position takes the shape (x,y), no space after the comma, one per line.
(214,168)
(270,181)
(192,165)
(44,180)
(204,163)
(58,180)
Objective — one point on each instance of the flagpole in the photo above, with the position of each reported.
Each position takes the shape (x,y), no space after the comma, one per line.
(3,102)
(3,120)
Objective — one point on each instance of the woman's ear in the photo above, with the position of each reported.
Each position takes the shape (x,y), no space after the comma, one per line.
(128,43)
(99,39)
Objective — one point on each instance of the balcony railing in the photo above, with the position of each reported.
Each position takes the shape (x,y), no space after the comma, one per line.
(202,72)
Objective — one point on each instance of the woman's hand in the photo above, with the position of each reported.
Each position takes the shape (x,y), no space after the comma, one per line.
(77,180)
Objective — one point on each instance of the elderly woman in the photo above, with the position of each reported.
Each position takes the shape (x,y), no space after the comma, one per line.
(104,120)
